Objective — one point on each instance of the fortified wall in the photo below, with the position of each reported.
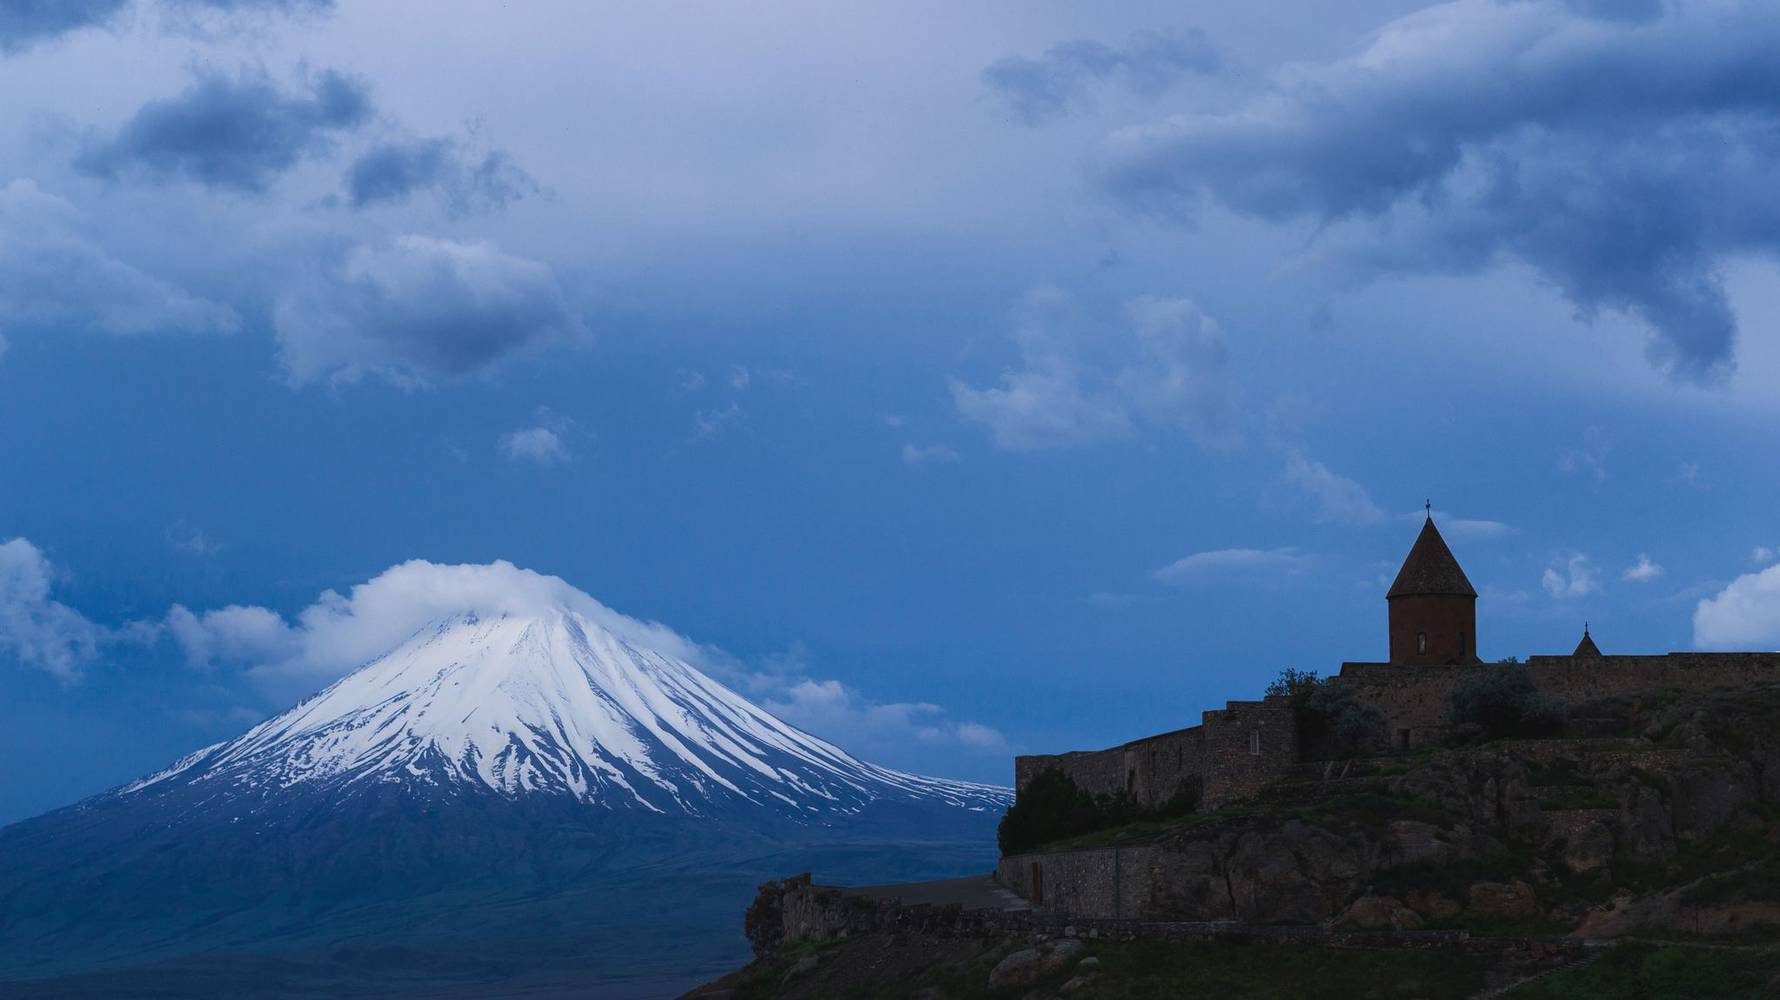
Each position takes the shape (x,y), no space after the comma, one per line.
(1231,753)
(1416,701)
(1433,632)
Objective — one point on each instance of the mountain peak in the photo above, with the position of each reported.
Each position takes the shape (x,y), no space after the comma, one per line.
(552,702)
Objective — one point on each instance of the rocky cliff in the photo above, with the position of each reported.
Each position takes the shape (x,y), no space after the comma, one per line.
(1666,816)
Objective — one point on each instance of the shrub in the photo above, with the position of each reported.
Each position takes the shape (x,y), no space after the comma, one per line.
(1051,807)
(1502,702)
(1333,723)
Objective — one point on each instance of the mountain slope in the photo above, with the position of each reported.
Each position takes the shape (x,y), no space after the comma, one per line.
(554,705)
(501,785)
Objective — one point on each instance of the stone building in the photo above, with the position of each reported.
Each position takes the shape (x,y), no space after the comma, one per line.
(1433,648)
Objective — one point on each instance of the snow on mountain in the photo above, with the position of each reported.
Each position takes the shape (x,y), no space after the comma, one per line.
(554,703)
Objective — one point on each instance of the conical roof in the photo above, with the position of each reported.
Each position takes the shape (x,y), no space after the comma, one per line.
(1431,569)
(1587,646)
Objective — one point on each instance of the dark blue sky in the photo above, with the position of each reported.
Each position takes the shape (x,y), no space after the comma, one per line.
(966,383)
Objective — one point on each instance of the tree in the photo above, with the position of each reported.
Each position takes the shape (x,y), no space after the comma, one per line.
(1503,702)
(1333,722)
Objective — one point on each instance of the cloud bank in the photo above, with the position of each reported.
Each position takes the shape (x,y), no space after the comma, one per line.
(421,309)
(395,170)
(1169,369)
(53,273)
(237,132)
(25,23)
(1038,90)
(1622,150)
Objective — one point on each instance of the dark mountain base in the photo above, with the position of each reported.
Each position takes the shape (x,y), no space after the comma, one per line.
(475,895)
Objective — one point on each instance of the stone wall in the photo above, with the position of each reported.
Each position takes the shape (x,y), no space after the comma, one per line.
(793,911)
(1416,701)
(1236,750)
(1232,752)
(1110,882)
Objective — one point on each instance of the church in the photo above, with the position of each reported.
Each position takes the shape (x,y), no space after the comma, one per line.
(1432,625)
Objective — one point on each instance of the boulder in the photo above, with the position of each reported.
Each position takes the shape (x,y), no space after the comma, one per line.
(1021,967)
(1503,899)
(1378,913)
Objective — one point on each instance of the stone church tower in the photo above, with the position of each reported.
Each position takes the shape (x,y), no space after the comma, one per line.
(1433,607)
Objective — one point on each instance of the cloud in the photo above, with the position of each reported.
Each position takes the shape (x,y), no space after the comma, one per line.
(1642,571)
(1338,498)
(1744,615)
(1624,151)
(24,23)
(1762,554)
(53,273)
(708,424)
(1201,567)
(830,709)
(1463,527)
(1572,577)
(1169,371)
(193,540)
(35,630)
(238,132)
(1591,458)
(1037,90)
(538,445)
(394,170)
(339,633)
(421,309)
(233,636)
(919,455)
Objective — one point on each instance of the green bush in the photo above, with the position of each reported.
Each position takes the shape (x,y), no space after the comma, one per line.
(1333,723)
(1502,702)
(1051,807)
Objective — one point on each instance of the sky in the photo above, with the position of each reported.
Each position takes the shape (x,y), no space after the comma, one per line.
(956,381)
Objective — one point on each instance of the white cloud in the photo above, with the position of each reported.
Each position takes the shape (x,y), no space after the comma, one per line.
(1761,554)
(53,272)
(421,309)
(339,633)
(1202,566)
(235,635)
(1573,577)
(708,424)
(1338,498)
(537,445)
(739,377)
(1744,615)
(35,630)
(1171,371)
(832,710)
(1463,527)
(1642,571)
(1591,458)
(187,538)
(917,455)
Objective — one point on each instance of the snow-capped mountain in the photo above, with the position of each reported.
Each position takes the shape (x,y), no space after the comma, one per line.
(552,704)
(546,789)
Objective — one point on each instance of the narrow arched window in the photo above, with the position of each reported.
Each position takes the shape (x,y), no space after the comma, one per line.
(1254,742)
(1461,644)
(1421,642)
